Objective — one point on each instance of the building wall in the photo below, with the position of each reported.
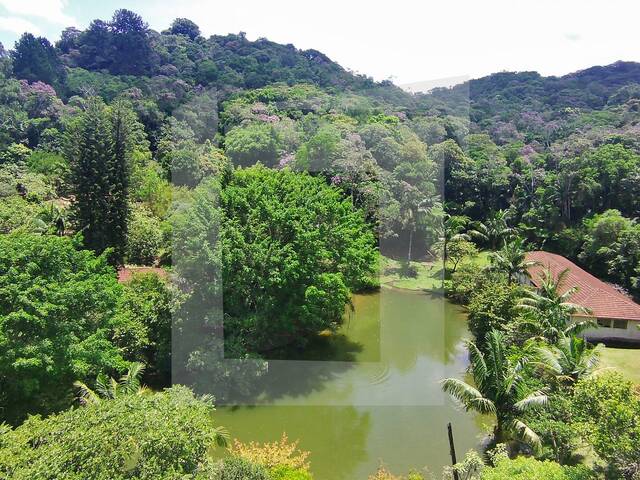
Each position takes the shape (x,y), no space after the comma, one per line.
(608,332)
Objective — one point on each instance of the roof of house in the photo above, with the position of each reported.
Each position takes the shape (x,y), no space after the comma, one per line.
(602,299)
(126,273)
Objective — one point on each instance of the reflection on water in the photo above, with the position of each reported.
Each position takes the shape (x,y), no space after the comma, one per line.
(376,396)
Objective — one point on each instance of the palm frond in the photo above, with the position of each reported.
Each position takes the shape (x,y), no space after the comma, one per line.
(469,396)
(526,434)
(86,395)
(536,399)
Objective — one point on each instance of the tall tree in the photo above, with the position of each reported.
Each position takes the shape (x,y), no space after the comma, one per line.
(34,59)
(511,259)
(552,309)
(131,48)
(96,146)
(499,388)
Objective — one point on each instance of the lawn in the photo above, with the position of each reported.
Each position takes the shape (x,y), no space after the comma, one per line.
(623,360)
(429,274)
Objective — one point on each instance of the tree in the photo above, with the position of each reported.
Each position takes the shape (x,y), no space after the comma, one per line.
(612,247)
(184,26)
(458,250)
(492,308)
(246,146)
(164,435)
(511,259)
(98,148)
(608,409)
(35,59)
(552,312)
(495,231)
(132,52)
(290,250)
(142,325)
(144,239)
(56,311)
(499,388)
(570,359)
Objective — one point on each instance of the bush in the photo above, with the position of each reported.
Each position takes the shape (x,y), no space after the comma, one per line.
(145,238)
(523,468)
(288,473)
(139,437)
(492,308)
(271,455)
(234,468)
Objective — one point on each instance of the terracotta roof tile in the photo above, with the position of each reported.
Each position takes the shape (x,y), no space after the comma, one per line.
(601,298)
(126,273)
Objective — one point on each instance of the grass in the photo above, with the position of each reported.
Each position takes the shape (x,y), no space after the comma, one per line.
(624,360)
(429,274)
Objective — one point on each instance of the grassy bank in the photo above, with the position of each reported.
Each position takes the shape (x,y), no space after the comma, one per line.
(428,274)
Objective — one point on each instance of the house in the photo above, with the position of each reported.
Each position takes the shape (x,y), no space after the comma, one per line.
(618,316)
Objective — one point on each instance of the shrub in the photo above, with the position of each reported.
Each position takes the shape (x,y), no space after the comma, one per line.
(284,472)
(523,468)
(234,468)
(139,437)
(280,453)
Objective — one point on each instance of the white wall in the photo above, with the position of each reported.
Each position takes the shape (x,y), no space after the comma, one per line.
(631,333)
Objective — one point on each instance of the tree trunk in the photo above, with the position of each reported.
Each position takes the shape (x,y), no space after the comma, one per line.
(410,245)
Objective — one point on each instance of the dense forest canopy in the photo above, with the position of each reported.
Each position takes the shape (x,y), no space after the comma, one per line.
(265,182)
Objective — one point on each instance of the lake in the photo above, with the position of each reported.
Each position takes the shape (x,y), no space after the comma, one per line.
(375,399)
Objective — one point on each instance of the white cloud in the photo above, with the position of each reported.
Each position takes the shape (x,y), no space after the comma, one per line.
(49,10)
(18,26)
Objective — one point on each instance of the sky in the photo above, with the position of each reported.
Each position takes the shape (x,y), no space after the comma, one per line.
(405,41)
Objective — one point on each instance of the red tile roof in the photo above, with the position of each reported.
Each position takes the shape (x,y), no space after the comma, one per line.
(602,299)
(126,273)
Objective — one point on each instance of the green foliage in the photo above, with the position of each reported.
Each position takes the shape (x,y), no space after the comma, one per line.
(255,143)
(458,250)
(492,308)
(523,468)
(144,239)
(16,153)
(289,233)
(149,186)
(612,248)
(35,59)
(288,473)
(56,310)
(609,410)
(142,325)
(499,388)
(99,146)
(164,435)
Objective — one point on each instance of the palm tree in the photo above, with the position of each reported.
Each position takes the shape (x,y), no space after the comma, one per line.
(108,388)
(570,359)
(498,388)
(451,230)
(495,230)
(552,311)
(511,259)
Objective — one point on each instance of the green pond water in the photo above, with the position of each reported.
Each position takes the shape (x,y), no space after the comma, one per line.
(375,397)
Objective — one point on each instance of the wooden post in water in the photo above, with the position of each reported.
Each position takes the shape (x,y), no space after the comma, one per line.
(452,451)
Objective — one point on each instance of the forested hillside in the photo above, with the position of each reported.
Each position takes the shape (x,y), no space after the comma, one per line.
(268,181)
